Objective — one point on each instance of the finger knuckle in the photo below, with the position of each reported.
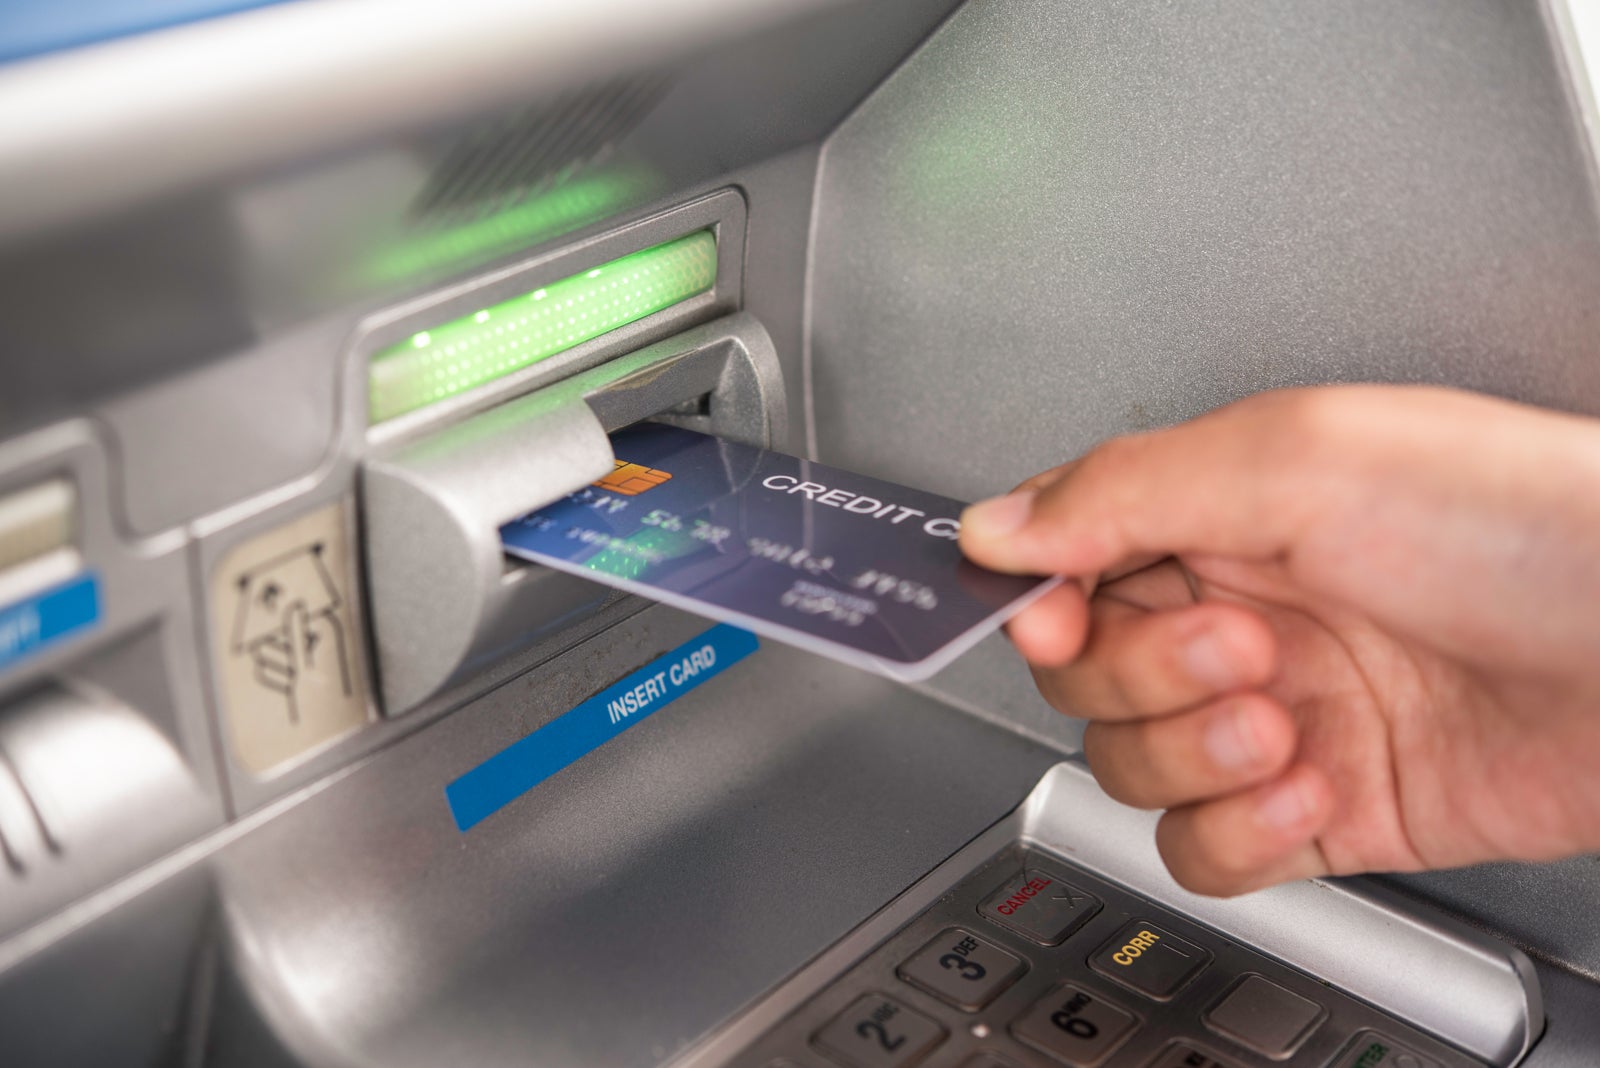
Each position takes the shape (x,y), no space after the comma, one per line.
(1129,688)
(1160,678)
(1085,687)
(1105,747)
(1189,867)
(1223,856)
(1213,884)
(1151,741)
(1197,879)
(1055,685)
(1230,866)
(1128,791)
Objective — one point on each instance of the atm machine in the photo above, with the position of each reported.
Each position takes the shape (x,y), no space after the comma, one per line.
(300,301)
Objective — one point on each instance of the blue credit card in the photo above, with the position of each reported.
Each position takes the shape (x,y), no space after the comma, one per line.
(851,567)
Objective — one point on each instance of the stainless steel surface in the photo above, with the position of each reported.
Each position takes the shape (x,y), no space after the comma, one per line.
(1142,211)
(1574,1034)
(348,900)
(991,682)
(1547,910)
(1575,29)
(1063,220)
(112,991)
(698,856)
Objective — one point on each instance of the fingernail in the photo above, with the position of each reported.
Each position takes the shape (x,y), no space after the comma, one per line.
(1285,808)
(1209,661)
(1231,740)
(999,516)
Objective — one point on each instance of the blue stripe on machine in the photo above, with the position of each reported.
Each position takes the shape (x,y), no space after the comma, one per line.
(29,626)
(34,27)
(521,766)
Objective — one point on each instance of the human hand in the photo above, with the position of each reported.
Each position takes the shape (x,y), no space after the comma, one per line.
(1332,630)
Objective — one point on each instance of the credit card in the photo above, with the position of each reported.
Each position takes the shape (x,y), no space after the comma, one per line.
(850,567)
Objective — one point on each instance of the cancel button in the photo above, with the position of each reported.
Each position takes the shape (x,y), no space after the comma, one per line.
(1039,906)
(1150,960)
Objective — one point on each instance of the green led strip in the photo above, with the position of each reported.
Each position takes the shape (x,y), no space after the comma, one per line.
(489,344)
(555,211)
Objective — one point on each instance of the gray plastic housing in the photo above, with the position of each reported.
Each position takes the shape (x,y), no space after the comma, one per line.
(444,598)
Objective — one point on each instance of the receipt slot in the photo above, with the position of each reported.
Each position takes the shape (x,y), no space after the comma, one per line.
(444,599)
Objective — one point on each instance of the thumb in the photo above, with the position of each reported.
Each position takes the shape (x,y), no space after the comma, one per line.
(1224,483)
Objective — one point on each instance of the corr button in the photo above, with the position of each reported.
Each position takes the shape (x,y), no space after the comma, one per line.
(1150,960)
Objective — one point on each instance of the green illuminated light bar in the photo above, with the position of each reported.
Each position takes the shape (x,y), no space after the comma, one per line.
(489,344)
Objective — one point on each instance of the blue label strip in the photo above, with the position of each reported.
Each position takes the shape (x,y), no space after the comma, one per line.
(521,766)
(28,627)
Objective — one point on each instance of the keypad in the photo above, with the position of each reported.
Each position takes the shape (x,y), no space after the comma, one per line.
(878,1032)
(1074,1026)
(962,969)
(1031,962)
(1150,959)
